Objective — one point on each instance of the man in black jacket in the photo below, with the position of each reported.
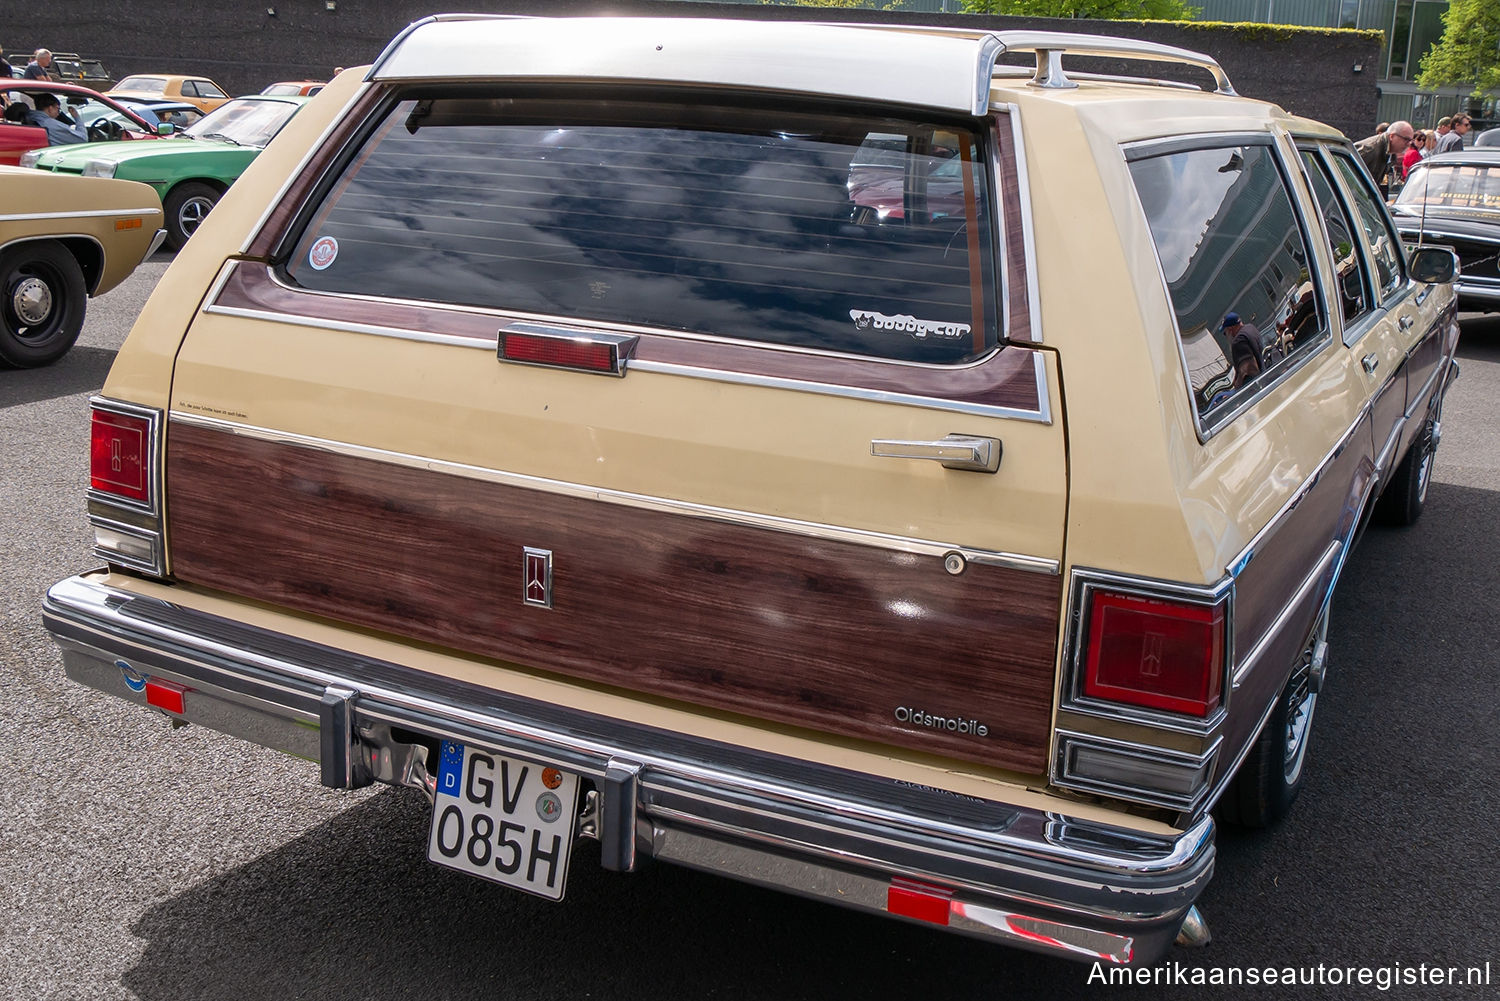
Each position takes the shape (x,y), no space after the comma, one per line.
(1377,151)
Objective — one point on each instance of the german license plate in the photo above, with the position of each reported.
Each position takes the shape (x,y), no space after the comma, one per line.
(503,819)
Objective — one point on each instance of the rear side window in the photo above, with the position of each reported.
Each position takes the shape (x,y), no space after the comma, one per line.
(1381,242)
(1236,265)
(1342,241)
(865,236)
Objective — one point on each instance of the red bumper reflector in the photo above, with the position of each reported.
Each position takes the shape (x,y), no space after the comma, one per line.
(165,695)
(922,901)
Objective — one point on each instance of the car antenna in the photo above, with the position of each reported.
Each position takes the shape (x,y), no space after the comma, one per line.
(1422,224)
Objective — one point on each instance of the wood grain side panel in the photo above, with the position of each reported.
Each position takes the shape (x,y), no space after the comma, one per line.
(827,635)
(1005,379)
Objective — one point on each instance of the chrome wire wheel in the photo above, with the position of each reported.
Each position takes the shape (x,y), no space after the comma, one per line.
(1424,471)
(1301,700)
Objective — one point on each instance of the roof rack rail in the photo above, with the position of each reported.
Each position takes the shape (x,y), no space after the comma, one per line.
(1050,46)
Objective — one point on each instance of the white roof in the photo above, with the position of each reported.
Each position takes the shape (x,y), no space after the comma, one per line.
(944,68)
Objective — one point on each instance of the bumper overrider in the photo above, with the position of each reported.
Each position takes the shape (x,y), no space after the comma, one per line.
(1033,879)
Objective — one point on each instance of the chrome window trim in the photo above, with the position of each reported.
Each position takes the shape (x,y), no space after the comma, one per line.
(1219,140)
(1028,226)
(793,526)
(1351,331)
(1062,777)
(998,223)
(313,149)
(1041,415)
(1399,289)
(1083,582)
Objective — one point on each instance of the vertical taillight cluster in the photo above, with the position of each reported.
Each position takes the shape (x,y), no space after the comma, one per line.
(1154,653)
(1154,656)
(125,485)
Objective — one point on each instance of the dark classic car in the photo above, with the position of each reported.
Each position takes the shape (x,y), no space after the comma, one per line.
(1454,200)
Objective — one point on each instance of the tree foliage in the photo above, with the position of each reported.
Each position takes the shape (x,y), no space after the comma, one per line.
(1469,51)
(1103,10)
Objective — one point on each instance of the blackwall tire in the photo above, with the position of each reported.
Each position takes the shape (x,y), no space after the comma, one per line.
(1403,498)
(42,304)
(186,207)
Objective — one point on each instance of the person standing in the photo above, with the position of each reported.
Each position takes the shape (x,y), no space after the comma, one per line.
(1377,151)
(1413,154)
(40,67)
(1454,140)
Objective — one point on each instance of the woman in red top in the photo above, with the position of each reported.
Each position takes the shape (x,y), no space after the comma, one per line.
(1414,152)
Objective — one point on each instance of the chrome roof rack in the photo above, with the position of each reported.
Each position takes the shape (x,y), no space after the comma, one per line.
(931,66)
(1050,46)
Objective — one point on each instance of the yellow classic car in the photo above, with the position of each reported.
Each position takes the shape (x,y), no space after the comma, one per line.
(62,241)
(834,457)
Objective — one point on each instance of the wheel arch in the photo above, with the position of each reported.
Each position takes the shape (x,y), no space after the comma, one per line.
(84,249)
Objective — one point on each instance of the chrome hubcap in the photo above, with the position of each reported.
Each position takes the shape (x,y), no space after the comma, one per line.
(32,300)
(193,212)
(1424,471)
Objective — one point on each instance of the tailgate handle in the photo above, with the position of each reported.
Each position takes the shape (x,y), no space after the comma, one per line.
(956,451)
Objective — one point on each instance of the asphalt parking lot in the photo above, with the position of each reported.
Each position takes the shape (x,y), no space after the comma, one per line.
(139,861)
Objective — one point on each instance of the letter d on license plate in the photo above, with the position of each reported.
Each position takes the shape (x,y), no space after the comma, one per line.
(503,819)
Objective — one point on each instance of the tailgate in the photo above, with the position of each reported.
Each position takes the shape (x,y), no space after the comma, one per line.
(710,526)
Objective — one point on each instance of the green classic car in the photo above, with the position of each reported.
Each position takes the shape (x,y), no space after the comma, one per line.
(190,173)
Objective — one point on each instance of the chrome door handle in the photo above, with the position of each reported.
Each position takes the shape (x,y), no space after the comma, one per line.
(1370,362)
(1406,321)
(956,451)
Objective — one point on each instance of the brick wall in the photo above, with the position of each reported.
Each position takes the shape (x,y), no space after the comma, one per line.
(245,46)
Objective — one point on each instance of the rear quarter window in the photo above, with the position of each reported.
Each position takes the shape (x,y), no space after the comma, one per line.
(810,229)
(1233,253)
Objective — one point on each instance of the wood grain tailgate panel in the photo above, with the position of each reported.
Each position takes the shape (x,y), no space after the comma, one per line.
(817,633)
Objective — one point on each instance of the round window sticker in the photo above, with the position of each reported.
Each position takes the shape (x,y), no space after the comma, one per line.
(323,253)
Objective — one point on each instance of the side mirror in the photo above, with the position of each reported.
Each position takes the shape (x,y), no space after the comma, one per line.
(1433,265)
(165,128)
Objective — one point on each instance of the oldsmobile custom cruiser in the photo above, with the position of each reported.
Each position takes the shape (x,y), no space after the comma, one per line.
(846,459)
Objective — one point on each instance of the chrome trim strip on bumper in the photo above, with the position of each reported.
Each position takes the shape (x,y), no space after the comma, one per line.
(879,540)
(1030,878)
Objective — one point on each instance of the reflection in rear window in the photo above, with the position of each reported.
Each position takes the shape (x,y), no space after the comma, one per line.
(863,237)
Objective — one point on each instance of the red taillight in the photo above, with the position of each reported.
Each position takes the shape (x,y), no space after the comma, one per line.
(120,455)
(602,353)
(1155,654)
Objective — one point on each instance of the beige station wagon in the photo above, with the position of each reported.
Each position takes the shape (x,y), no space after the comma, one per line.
(62,241)
(843,460)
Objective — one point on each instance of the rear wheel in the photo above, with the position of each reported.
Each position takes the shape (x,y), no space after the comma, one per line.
(1272,773)
(187,205)
(44,301)
(1402,500)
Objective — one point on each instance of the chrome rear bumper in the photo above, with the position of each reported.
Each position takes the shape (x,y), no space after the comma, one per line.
(1032,879)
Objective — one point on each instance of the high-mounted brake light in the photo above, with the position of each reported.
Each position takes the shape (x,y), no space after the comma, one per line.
(120,455)
(606,354)
(1155,653)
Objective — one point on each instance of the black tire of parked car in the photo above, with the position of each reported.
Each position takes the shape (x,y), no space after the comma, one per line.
(44,303)
(1274,771)
(187,205)
(1405,495)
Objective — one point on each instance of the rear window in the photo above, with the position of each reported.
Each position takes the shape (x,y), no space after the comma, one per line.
(866,236)
(143,84)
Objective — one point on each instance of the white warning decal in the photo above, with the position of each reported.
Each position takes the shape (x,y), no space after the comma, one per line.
(904,324)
